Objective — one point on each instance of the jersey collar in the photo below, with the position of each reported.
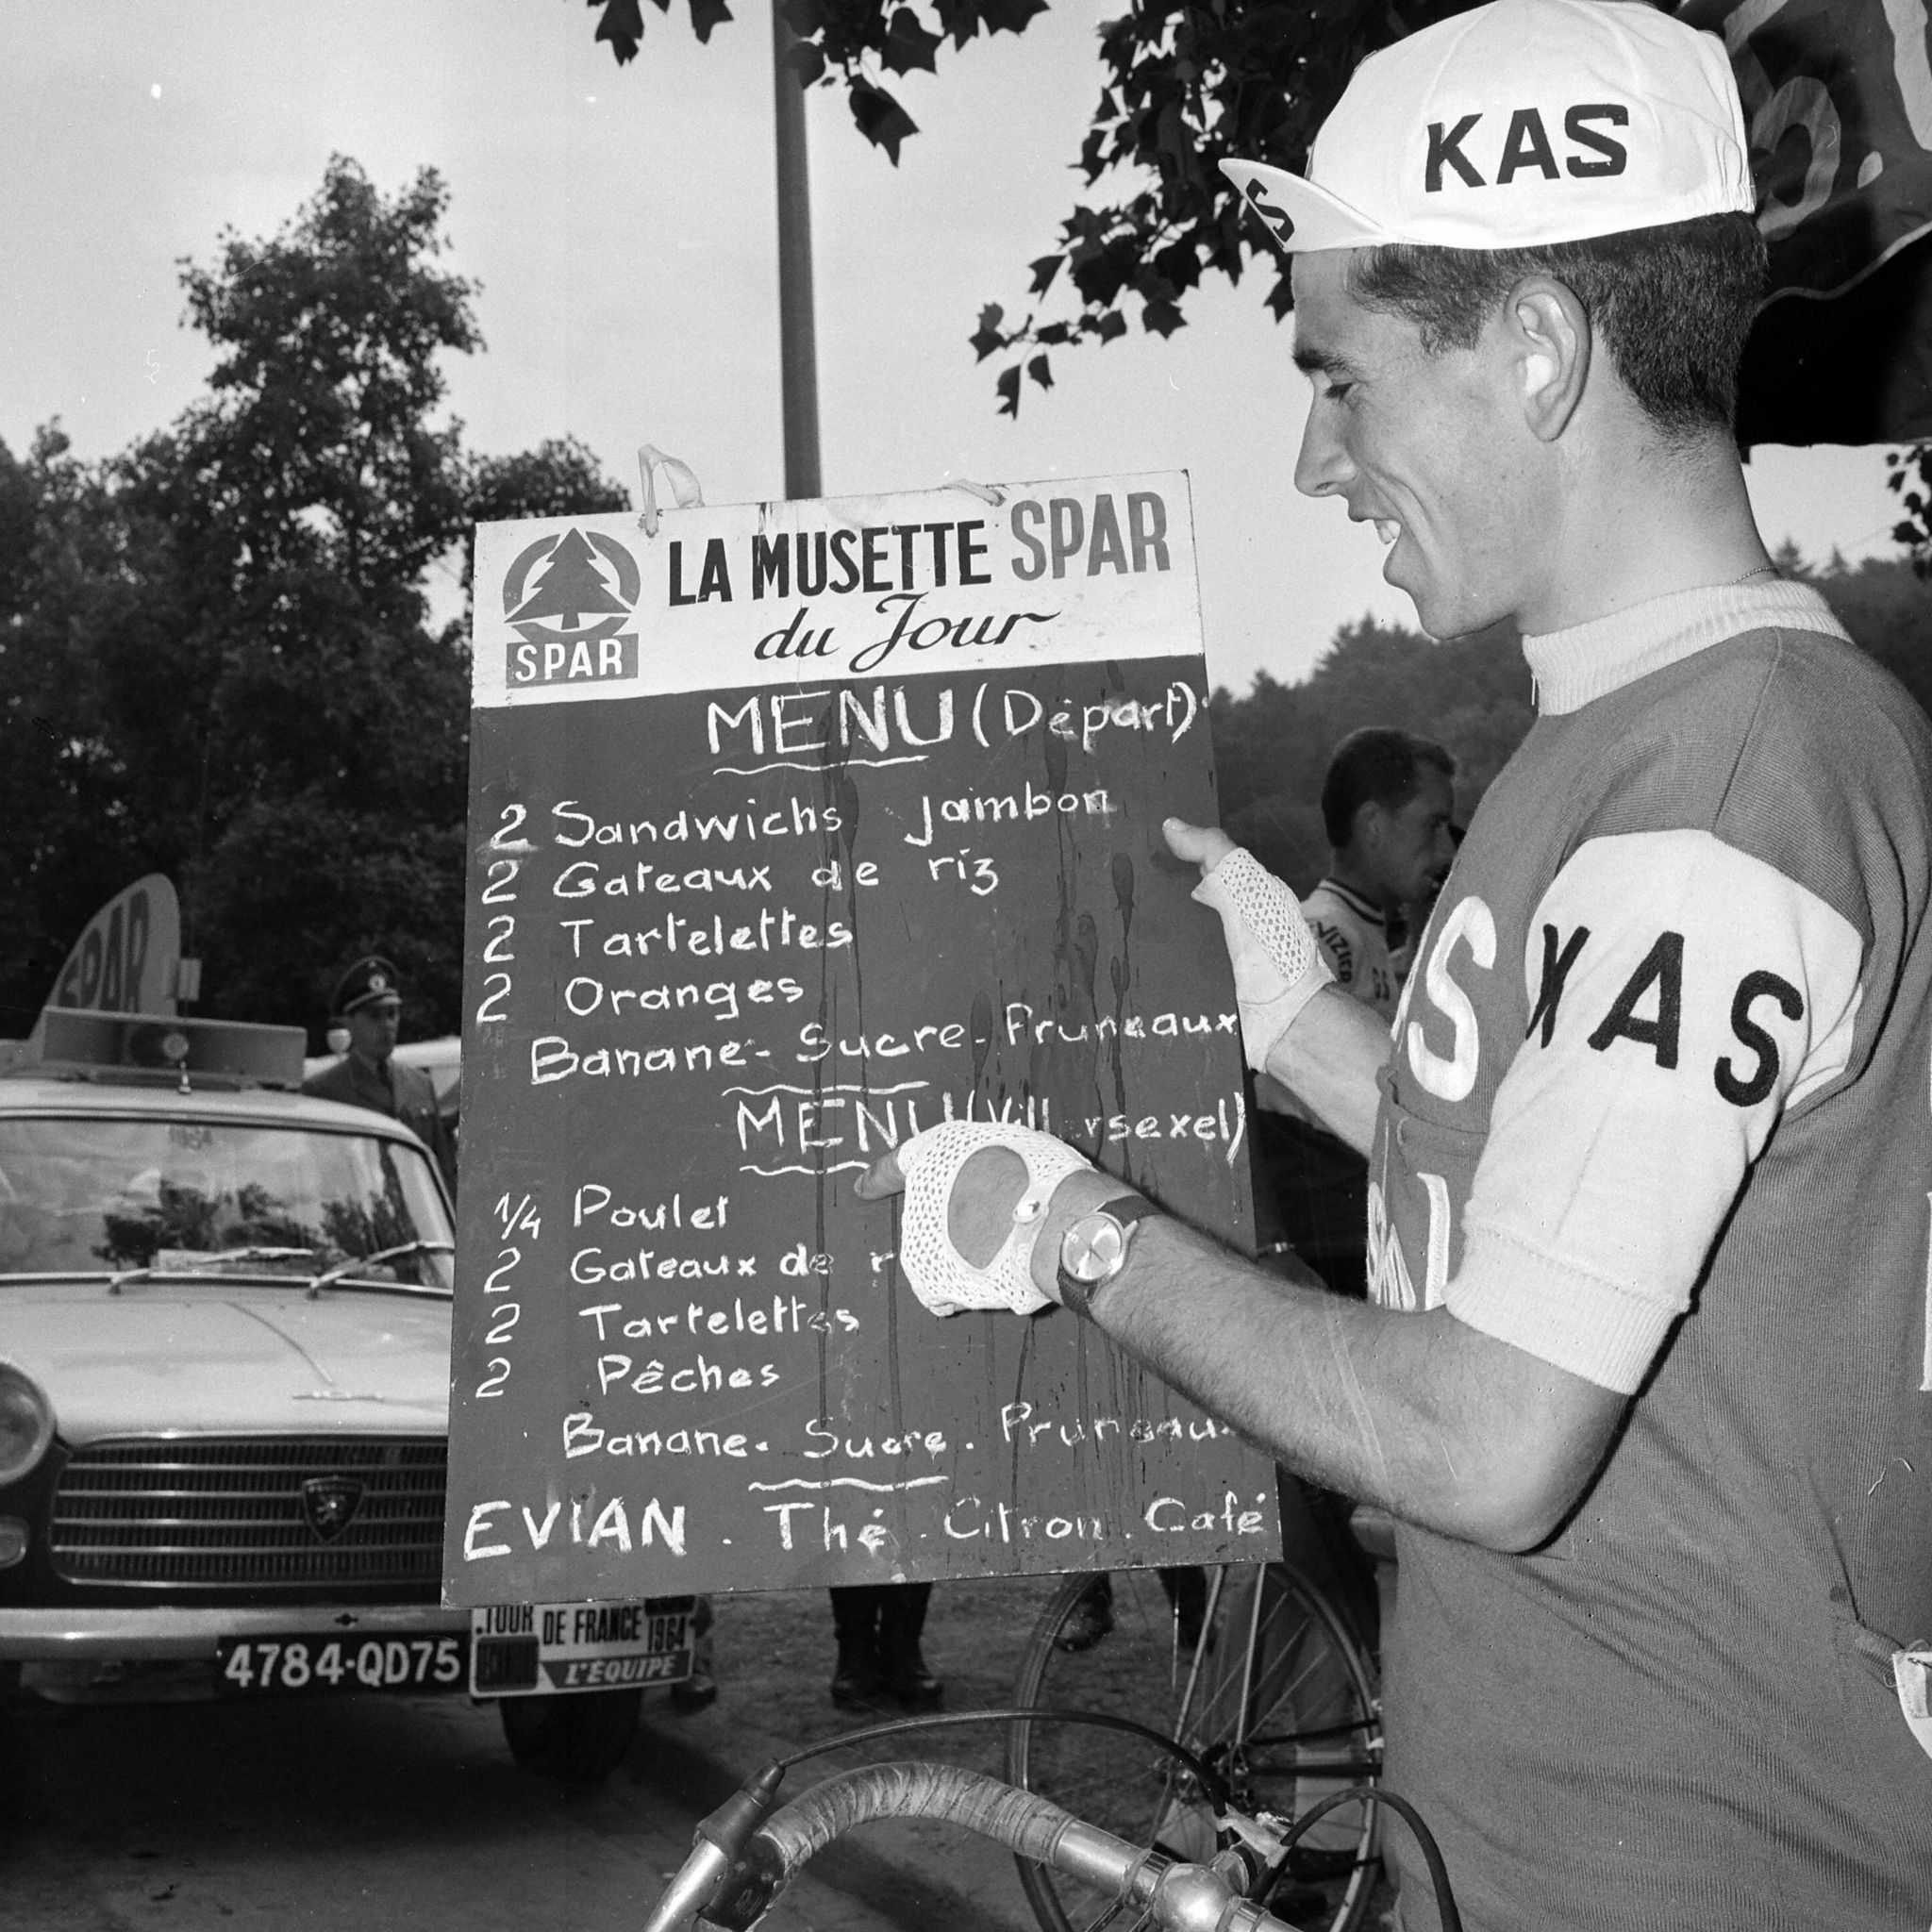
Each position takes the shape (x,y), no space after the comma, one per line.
(1353,900)
(1589,661)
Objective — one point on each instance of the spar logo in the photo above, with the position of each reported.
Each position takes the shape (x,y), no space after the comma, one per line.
(568,598)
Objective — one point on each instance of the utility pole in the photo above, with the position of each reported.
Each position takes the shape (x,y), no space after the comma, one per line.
(798,355)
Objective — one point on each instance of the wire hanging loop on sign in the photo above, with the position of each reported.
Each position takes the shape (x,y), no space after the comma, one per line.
(685,492)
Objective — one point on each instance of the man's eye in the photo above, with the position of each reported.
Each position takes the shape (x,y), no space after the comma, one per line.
(1338,392)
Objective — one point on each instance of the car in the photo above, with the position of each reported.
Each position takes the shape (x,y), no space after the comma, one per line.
(224,1335)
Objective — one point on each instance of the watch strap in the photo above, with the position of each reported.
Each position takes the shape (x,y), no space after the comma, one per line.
(1078,1295)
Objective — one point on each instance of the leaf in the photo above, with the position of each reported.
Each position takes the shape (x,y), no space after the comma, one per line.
(907,44)
(988,338)
(622,26)
(705,15)
(1010,16)
(1038,370)
(1044,270)
(1162,318)
(880,118)
(1110,325)
(1101,275)
(958,19)
(806,18)
(1009,388)
(807,61)
(1054,335)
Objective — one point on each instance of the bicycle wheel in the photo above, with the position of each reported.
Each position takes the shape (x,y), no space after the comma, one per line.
(1250,1668)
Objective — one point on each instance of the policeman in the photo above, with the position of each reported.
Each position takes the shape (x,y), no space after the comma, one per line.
(369,1003)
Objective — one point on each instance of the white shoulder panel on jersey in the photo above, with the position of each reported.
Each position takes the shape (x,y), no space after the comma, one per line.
(1682,994)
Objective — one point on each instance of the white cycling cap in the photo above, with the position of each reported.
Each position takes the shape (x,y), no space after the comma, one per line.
(1519,123)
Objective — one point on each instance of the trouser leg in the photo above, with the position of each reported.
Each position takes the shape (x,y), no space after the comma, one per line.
(902,1619)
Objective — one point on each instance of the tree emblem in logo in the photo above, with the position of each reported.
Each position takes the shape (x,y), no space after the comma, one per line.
(557,591)
(329,1504)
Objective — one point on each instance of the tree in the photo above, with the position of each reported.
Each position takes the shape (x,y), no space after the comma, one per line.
(1472,694)
(1186,83)
(217,660)
(1272,748)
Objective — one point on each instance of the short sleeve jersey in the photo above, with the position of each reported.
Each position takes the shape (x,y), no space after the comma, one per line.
(1659,1114)
(1354,938)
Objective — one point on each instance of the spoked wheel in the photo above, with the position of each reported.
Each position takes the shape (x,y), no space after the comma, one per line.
(1253,1670)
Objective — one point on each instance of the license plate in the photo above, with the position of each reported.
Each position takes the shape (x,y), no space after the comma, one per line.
(527,1650)
(253,1664)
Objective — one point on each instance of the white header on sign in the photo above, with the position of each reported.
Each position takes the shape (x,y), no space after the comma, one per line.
(575,608)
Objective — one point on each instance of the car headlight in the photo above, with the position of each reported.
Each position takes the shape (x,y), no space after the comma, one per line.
(26,1424)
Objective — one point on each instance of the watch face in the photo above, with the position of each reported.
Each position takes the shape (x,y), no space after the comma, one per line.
(1093,1247)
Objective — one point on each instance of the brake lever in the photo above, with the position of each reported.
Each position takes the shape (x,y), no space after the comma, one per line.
(716,1847)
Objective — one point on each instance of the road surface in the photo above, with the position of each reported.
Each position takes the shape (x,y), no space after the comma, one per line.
(338,1815)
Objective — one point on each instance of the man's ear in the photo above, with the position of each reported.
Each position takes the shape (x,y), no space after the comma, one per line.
(1551,340)
(1371,822)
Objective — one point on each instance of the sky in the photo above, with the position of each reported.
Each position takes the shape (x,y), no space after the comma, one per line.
(620,223)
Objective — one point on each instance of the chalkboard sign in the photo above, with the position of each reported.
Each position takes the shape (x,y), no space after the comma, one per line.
(796,828)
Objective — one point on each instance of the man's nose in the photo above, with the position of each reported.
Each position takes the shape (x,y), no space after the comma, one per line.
(1322,468)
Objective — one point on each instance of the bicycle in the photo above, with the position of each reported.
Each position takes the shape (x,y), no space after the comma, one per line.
(1257,1675)
(745,1853)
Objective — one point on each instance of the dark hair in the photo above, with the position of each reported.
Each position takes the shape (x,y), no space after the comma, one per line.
(1672,305)
(1377,765)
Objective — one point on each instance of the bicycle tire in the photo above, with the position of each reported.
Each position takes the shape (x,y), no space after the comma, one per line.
(1270,1644)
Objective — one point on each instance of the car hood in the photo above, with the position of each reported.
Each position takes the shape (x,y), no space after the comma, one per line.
(227,1358)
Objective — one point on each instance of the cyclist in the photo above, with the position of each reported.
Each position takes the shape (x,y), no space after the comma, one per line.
(1646,1378)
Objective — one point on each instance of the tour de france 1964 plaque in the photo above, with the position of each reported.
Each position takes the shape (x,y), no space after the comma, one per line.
(794,829)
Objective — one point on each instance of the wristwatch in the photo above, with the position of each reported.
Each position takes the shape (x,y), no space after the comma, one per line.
(1094,1249)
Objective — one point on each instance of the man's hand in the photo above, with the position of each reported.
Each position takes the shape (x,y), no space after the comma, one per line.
(1277,966)
(979,1214)
(986,1207)
(1202,845)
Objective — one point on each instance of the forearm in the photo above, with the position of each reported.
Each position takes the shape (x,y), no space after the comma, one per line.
(1329,1060)
(1437,1423)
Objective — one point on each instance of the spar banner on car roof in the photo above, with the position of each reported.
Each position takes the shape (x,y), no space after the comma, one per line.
(796,828)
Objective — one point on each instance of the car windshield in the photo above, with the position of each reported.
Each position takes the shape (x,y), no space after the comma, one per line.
(82,1196)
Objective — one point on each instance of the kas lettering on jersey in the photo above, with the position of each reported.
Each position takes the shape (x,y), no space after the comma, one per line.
(1675,996)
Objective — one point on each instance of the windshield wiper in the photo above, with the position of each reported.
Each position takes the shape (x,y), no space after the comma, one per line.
(344,1270)
(215,1257)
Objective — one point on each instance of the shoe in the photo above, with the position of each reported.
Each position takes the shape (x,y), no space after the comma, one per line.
(1089,1619)
(907,1676)
(697,1693)
(856,1683)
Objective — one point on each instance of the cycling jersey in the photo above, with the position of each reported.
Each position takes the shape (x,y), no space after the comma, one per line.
(1658,1114)
(1354,935)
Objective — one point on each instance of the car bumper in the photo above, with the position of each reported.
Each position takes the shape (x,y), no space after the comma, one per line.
(189,1636)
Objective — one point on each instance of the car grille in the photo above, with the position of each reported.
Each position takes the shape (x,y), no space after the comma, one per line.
(252,1512)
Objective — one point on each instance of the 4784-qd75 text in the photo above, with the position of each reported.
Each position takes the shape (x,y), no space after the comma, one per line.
(391,1663)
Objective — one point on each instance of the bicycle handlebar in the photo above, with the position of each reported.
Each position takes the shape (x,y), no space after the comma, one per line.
(732,1892)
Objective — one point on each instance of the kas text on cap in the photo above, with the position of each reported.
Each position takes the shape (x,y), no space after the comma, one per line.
(1518,124)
